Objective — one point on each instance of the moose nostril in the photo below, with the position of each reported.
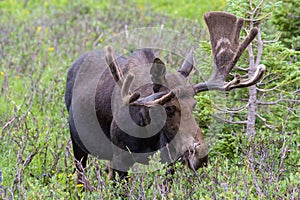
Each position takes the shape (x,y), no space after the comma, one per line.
(195,164)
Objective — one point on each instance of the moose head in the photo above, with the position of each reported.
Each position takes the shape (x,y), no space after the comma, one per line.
(164,106)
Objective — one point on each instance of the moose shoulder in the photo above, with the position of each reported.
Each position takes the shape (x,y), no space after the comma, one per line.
(125,109)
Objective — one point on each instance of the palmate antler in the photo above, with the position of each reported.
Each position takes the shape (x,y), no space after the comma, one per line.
(224,30)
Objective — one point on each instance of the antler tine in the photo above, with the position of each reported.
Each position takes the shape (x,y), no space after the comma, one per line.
(224,29)
(243,46)
(127,96)
(126,85)
(250,81)
(163,99)
(117,74)
(188,64)
(113,65)
(159,98)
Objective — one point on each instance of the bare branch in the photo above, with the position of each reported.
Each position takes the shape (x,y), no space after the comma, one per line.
(97,40)
(265,122)
(273,41)
(229,121)
(258,7)
(260,18)
(233,111)
(268,90)
(241,69)
(251,161)
(10,121)
(259,47)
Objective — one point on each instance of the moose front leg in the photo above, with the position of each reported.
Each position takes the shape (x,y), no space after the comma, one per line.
(122,161)
(111,173)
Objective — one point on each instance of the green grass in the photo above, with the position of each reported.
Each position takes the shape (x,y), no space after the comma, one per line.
(185,8)
(41,39)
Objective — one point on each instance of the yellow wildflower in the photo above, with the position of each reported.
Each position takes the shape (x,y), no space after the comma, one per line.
(79,185)
(141,7)
(38,29)
(51,49)
(170,195)
(1,73)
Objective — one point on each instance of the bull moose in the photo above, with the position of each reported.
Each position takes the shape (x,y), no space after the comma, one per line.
(114,118)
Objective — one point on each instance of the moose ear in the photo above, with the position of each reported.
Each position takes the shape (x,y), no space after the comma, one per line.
(158,71)
(187,65)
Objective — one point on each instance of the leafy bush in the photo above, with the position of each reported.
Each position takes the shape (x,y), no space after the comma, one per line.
(287,20)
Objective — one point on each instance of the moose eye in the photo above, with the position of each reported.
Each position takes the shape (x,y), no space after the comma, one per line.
(170,110)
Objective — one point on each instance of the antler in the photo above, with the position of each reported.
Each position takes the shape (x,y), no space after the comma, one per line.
(114,66)
(224,30)
(118,76)
(159,98)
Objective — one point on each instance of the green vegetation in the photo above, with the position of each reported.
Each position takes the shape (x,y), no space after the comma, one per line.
(185,8)
(287,20)
(39,40)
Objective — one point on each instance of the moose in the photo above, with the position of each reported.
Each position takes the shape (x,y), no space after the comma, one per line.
(115,119)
